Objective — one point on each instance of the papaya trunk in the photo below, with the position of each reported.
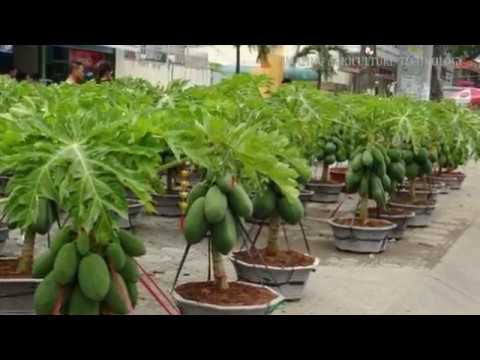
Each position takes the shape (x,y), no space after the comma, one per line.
(274,229)
(25,264)
(325,174)
(219,273)
(413,193)
(364,210)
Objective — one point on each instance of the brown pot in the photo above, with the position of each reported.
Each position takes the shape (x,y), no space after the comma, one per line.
(338,174)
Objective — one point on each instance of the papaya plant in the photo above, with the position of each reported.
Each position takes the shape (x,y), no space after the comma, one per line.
(82,157)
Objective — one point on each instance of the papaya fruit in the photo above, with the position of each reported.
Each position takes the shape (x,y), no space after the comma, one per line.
(341,155)
(357,162)
(422,156)
(227,183)
(408,156)
(412,170)
(82,243)
(224,234)
(94,277)
(320,155)
(132,292)
(43,265)
(352,181)
(330,148)
(198,190)
(80,304)
(130,271)
(66,264)
(114,299)
(290,211)
(62,237)
(329,159)
(131,244)
(45,217)
(376,189)
(264,204)
(427,168)
(46,296)
(396,171)
(215,205)
(116,256)
(240,203)
(387,183)
(367,159)
(394,154)
(196,224)
(378,158)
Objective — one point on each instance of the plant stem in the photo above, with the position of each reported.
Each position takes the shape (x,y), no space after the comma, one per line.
(274,229)
(25,264)
(325,174)
(219,273)
(413,194)
(364,210)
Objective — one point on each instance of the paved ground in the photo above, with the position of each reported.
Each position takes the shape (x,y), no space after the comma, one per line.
(431,271)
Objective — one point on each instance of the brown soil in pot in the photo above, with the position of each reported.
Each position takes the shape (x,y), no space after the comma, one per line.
(236,295)
(285,258)
(372,223)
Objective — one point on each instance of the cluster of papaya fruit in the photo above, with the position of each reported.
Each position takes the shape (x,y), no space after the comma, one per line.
(418,164)
(84,278)
(451,159)
(217,207)
(271,201)
(331,150)
(368,174)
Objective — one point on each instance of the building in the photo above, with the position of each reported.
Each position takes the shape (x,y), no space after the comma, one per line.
(161,64)
(156,63)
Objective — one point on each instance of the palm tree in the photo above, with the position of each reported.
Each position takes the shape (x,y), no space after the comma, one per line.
(262,53)
(324,60)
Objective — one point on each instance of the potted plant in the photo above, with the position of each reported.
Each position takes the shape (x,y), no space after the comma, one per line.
(395,175)
(217,207)
(418,165)
(81,164)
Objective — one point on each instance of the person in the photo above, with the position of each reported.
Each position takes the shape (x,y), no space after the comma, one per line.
(13,72)
(76,73)
(103,72)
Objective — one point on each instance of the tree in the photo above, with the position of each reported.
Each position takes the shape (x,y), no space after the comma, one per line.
(436,92)
(262,54)
(324,60)
(464,51)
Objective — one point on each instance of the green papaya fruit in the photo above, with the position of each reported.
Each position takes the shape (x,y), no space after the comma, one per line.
(291,211)
(224,234)
(264,204)
(215,205)
(131,244)
(240,203)
(196,224)
(66,264)
(94,277)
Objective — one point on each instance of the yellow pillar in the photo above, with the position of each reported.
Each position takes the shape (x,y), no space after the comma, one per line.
(273,67)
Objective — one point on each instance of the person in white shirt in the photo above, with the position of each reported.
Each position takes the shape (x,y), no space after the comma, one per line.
(76,74)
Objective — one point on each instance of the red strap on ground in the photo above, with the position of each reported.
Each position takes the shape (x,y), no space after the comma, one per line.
(158,294)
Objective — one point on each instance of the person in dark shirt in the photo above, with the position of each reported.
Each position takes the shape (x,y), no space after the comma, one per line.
(103,72)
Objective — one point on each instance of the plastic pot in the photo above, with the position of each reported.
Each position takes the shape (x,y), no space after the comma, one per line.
(361,239)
